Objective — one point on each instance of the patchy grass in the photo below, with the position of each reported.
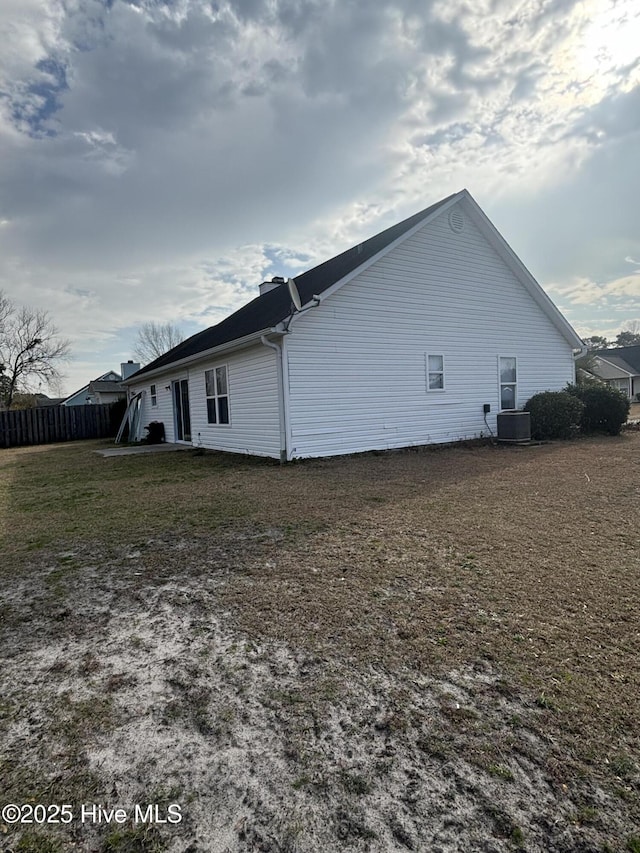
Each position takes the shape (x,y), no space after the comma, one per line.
(133,840)
(390,651)
(72,494)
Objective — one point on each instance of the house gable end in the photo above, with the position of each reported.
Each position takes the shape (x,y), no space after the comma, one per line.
(513,262)
(392,241)
(458,206)
(625,358)
(607,368)
(409,351)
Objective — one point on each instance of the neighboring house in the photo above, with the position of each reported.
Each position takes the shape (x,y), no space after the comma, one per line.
(105,389)
(401,340)
(81,396)
(620,368)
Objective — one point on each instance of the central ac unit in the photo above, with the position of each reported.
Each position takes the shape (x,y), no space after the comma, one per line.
(514,426)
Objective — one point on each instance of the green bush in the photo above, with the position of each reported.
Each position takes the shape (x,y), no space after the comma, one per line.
(605,409)
(554,414)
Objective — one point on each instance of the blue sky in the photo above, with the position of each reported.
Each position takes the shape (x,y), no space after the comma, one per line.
(160,158)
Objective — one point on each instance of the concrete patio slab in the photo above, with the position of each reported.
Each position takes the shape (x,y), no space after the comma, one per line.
(165,447)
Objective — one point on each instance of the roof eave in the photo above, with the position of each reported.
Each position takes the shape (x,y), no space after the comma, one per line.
(221,349)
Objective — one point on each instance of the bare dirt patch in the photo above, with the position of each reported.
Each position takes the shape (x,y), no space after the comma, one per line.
(416,651)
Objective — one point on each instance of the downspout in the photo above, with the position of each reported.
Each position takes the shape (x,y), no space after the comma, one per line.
(281,401)
(584,349)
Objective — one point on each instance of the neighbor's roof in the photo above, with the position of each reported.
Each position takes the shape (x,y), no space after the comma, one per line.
(273,307)
(625,358)
(105,386)
(85,388)
(43,400)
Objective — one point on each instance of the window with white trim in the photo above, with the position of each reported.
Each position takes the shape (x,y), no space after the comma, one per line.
(435,373)
(508,371)
(217,391)
(619,385)
(154,395)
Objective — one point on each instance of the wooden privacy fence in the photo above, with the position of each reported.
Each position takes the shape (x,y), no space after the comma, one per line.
(55,423)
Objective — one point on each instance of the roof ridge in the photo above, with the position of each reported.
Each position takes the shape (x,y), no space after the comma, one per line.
(353,257)
(265,311)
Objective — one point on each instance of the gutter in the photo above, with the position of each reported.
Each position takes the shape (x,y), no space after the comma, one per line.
(281,394)
(238,343)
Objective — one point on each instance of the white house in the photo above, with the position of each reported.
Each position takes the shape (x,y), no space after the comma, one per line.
(402,340)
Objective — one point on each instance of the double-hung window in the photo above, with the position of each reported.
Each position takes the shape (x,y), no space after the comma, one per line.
(154,395)
(217,391)
(435,373)
(619,385)
(507,369)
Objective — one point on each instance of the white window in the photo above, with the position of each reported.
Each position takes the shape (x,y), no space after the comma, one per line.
(435,373)
(216,387)
(507,369)
(619,385)
(154,395)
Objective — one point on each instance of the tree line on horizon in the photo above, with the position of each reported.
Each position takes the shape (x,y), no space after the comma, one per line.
(628,337)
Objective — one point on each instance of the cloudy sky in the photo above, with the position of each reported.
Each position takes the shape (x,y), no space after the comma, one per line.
(160,158)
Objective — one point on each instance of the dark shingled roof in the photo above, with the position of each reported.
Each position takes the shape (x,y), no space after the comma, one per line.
(627,358)
(105,386)
(266,311)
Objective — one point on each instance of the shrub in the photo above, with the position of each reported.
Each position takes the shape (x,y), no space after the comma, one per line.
(554,414)
(605,409)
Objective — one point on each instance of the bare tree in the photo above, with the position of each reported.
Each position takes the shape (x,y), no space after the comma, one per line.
(629,335)
(6,307)
(154,339)
(30,349)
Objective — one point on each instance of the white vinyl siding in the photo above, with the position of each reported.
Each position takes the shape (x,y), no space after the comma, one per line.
(253,402)
(253,395)
(356,364)
(163,410)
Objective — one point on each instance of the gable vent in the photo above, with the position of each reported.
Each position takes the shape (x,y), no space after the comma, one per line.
(456,221)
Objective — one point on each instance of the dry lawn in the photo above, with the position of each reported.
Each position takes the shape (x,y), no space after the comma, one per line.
(431,650)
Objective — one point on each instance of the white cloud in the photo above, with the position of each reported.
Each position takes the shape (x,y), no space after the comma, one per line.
(582,291)
(161,157)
